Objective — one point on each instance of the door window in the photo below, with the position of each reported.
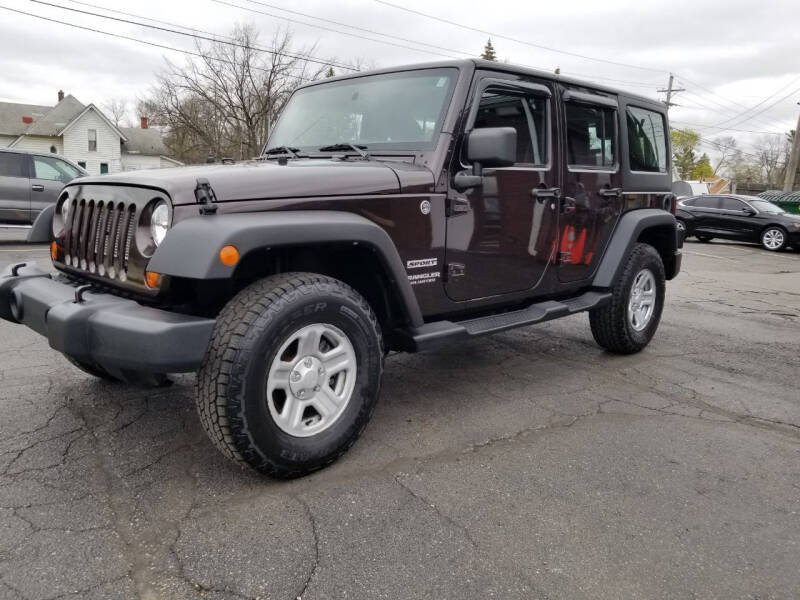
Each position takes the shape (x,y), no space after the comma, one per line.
(707,202)
(591,138)
(12,165)
(732,204)
(647,141)
(53,169)
(526,114)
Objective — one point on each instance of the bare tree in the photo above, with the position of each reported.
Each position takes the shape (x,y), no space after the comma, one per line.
(726,146)
(770,151)
(224,102)
(117,109)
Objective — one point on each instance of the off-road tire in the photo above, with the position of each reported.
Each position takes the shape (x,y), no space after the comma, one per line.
(610,325)
(704,238)
(250,329)
(783,233)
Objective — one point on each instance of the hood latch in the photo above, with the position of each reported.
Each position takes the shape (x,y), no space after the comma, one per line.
(205,196)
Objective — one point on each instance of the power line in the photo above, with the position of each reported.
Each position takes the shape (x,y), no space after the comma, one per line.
(201,37)
(703,100)
(726,128)
(290,20)
(380,41)
(137,40)
(766,108)
(518,41)
(760,103)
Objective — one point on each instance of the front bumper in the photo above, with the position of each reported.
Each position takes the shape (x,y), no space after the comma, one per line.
(115,333)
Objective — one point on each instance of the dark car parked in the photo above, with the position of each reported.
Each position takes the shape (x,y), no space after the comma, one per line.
(29,181)
(744,218)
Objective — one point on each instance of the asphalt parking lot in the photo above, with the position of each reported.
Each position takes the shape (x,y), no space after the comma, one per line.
(526,465)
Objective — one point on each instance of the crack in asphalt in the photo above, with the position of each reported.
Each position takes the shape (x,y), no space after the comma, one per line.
(315,532)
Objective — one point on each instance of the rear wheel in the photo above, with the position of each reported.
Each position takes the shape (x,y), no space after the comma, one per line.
(629,321)
(292,374)
(774,238)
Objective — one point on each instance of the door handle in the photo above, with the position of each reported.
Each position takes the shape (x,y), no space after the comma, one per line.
(568,205)
(541,193)
(37,187)
(610,192)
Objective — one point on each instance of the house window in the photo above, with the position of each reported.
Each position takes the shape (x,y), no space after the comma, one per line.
(103,168)
(53,150)
(93,140)
(82,164)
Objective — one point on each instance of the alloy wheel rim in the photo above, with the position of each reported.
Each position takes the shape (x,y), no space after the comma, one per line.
(773,238)
(681,226)
(642,300)
(311,380)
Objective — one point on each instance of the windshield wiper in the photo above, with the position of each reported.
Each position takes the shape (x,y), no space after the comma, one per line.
(293,152)
(344,147)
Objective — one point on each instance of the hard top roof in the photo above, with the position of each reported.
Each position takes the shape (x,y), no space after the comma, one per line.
(476,63)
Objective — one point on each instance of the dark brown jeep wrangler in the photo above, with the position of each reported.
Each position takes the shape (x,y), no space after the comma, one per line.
(393,210)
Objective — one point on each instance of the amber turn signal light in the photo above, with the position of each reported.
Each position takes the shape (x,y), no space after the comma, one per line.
(53,250)
(152,279)
(229,256)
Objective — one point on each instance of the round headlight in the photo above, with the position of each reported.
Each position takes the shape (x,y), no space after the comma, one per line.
(159,222)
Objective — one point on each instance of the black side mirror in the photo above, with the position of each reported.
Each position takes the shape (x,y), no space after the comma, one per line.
(487,147)
(748,211)
(492,147)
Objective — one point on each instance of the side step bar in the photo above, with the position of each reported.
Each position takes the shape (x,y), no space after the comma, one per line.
(431,335)
(10,226)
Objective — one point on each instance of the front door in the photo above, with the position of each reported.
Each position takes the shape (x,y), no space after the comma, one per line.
(501,235)
(49,176)
(591,200)
(734,219)
(15,205)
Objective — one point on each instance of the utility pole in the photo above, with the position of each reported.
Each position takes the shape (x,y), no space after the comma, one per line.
(670,91)
(794,160)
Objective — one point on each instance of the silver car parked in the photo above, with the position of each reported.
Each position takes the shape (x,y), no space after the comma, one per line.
(29,182)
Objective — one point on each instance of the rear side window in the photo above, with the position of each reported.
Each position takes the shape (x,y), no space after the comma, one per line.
(526,114)
(591,139)
(707,202)
(732,204)
(12,165)
(647,140)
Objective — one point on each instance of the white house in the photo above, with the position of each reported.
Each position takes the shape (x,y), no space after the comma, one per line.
(82,134)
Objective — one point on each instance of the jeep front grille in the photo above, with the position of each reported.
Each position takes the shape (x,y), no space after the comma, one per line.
(99,237)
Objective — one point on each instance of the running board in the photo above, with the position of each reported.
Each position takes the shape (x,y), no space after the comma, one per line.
(445,332)
(3,226)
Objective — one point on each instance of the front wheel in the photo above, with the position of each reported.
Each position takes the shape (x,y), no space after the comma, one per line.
(629,321)
(704,238)
(292,374)
(774,239)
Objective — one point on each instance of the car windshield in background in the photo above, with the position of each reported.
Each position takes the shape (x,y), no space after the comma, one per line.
(767,207)
(392,111)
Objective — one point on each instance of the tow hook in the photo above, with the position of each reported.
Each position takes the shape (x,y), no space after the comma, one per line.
(80,291)
(15,269)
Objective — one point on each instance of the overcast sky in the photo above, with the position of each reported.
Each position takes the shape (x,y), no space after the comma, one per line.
(729,55)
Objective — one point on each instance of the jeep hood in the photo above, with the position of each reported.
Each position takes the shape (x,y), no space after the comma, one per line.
(270,180)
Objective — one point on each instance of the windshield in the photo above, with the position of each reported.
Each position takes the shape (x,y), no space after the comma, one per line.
(767,207)
(393,111)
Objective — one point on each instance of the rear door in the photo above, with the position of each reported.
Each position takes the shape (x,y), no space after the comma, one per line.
(591,200)
(14,189)
(705,210)
(49,176)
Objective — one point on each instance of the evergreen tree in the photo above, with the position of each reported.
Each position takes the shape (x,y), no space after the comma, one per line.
(330,72)
(488,51)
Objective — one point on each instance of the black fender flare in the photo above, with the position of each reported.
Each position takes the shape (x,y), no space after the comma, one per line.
(42,230)
(191,248)
(630,226)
